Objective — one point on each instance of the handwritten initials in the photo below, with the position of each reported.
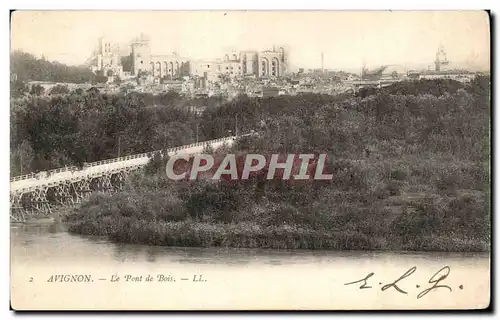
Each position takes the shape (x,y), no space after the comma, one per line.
(435,282)
(393,284)
(363,286)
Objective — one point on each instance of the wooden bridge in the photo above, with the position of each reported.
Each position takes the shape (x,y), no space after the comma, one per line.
(37,194)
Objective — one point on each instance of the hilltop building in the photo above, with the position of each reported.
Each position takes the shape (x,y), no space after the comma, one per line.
(170,66)
(443,70)
(162,67)
(106,61)
(441,63)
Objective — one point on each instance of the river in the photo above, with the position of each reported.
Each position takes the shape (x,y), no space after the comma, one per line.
(229,278)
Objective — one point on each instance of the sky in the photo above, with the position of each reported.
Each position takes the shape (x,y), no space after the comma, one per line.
(348,39)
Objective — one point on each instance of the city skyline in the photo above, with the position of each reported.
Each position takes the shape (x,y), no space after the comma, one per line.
(347,40)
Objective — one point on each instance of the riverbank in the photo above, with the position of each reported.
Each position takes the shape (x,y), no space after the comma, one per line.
(243,235)
(398,214)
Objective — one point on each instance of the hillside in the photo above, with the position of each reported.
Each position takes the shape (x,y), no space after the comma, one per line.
(28,68)
(410,164)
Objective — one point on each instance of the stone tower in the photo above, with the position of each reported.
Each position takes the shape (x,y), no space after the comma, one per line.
(441,62)
(104,46)
(106,60)
(141,54)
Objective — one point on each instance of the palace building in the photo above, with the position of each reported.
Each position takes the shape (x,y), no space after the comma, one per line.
(263,64)
(159,66)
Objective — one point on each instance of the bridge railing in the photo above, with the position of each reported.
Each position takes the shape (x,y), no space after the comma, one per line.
(63,169)
(150,154)
(124,158)
(48,173)
(23,177)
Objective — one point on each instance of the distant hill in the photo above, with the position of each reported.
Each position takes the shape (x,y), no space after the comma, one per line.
(27,67)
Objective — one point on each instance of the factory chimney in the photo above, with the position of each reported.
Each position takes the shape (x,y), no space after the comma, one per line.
(322,61)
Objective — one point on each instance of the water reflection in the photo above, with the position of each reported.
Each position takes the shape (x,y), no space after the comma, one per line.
(125,253)
(56,228)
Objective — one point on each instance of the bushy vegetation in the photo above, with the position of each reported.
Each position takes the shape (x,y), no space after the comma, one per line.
(70,129)
(28,68)
(411,172)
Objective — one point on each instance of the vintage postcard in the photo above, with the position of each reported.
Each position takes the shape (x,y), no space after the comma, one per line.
(250,160)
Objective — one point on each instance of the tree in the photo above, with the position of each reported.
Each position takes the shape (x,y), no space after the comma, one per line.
(37,90)
(59,89)
(28,68)
(17,89)
(157,164)
(78,91)
(99,79)
(21,159)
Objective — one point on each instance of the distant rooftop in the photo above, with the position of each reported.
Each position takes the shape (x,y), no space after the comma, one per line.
(444,72)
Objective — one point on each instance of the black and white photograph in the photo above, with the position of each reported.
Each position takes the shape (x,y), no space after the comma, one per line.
(250,160)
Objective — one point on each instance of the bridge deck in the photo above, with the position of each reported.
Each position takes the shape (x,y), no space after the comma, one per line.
(31,182)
